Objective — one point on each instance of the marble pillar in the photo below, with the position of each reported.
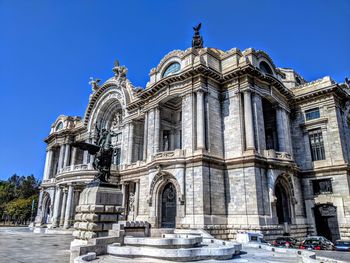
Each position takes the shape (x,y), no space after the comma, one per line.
(172,140)
(248,121)
(48,164)
(67,216)
(145,134)
(75,201)
(200,120)
(66,156)
(123,192)
(63,207)
(61,158)
(137,198)
(130,142)
(85,157)
(56,207)
(156,130)
(73,157)
(281,132)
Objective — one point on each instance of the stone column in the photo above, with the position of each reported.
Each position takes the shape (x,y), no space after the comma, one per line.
(288,134)
(73,157)
(75,201)
(123,192)
(66,156)
(48,164)
(67,216)
(200,120)
(137,198)
(85,157)
(156,130)
(281,132)
(259,123)
(131,140)
(172,140)
(145,134)
(63,206)
(91,161)
(248,121)
(56,207)
(61,158)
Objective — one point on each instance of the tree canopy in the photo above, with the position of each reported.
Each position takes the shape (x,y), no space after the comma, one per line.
(17,195)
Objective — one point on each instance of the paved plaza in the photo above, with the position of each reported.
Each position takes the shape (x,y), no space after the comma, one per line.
(21,245)
(249,255)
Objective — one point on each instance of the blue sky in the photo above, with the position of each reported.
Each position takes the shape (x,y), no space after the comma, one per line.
(49,49)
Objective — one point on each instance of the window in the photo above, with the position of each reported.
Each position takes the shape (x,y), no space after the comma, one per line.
(265,68)
(312,114)
(116,159)
(316,145)
(322,186)
(119,137)
(59,126)
(173,68)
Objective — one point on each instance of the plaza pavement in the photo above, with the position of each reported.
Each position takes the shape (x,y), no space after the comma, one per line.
(19,245)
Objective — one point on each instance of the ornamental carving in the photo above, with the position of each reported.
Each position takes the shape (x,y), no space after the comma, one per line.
(117,119)
(94,84)
(327,210)
(165,154)
(120,73)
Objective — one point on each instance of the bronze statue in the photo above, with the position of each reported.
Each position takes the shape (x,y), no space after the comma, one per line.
(103,151)
(197,40)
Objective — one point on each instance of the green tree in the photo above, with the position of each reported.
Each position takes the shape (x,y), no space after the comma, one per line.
(16,197)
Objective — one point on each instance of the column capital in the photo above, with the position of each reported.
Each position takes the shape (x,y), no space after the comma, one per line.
(201,90)
(247,90)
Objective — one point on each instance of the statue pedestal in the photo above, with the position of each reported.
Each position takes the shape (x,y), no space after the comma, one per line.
(100,206)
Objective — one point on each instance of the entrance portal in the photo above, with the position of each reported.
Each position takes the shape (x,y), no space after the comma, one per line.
(168,206)
(282,204)
(327,222)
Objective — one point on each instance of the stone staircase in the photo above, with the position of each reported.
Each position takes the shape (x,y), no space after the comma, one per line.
(181,245)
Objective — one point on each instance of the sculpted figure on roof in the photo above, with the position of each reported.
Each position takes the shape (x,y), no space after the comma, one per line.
(197,40)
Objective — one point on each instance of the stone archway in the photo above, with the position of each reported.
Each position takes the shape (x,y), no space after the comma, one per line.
(283,201)
(46,209)
(326,221)
(168,206)
(171,206)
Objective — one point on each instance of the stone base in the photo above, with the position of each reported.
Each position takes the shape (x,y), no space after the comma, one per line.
(99,207)
(270,232)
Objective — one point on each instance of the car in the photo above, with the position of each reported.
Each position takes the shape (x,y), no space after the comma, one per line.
(342,245)
(288,242)
(316,243)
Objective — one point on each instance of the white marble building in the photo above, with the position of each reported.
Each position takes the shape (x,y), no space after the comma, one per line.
(224,141)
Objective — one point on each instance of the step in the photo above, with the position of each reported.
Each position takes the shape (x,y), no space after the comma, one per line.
(209,249)
(168,241)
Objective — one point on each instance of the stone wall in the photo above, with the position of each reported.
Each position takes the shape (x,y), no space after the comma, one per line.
(232,124)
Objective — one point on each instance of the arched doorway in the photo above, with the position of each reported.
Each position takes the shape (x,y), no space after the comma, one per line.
(283,208)
(327,221)
(168,206)
(46,210)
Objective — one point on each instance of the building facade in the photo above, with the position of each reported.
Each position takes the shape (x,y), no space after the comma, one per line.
(224,141)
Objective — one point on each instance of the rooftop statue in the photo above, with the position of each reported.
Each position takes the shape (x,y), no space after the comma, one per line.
(103,151)
(197,40)
(94,83)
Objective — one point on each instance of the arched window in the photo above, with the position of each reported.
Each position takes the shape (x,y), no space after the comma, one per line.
(59,126)
(171,69)
(265,68)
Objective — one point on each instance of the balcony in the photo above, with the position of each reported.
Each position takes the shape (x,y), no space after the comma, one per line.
(77,167)
(272,154)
